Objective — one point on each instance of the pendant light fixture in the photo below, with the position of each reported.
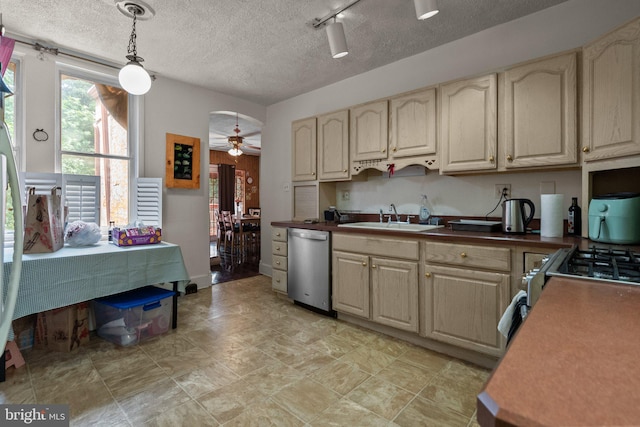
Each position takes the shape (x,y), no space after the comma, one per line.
(425,8)
(133,77)
(337,39)
(236,141)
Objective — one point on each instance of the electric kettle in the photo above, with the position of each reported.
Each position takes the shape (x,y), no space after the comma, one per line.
(514,218)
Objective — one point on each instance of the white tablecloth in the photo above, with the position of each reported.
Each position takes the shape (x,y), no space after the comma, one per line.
(73,275)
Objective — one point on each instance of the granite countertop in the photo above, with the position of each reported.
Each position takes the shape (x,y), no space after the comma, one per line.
(574,361)
(447,234)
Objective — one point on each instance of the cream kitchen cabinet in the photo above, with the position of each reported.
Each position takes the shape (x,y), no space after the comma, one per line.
(303,150)
(611,94)
(466,290)
(412,128)
(279,259)
(538,114)
(333,146)
(468,125)
(369,132)
(376,278)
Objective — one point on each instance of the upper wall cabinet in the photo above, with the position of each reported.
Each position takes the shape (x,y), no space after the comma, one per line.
(369,131)
(468,125)
(538,114)
(611,94)
(413,124)
(303,145)
(333,146)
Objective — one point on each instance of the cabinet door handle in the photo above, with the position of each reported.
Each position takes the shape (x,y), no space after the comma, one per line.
(277,280)
(395,149)
(492,159)
(277,262)
(427,274)
(313,174)
(373,266)
(277,248)
(463,254)
(383,150)
(585,149)
(509,157)
(364,264)
(344,170)
(277,234)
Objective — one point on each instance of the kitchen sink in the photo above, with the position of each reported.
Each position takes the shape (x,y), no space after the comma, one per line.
(396,226)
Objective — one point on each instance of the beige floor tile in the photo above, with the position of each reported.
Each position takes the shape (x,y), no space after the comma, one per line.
(348,413)
(368,359)
(100,415)
(153,401)
(355,334)
(313,361)
(335,345)
(409,377)
(230,401)
(285,349)
(340,377)
(271,379)
(381,397)
(391,346)
(206,379)
(17,388)
(263,414)
(179,364)
(187,414)
(64,368)
(168,345)
(456,387)
(306,398)
(246,361)
(425,359)
(421,412)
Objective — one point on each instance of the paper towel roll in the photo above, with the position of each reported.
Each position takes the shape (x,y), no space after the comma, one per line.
(551,215)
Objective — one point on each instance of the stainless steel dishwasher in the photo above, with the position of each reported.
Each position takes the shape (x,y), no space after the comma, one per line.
(309,268)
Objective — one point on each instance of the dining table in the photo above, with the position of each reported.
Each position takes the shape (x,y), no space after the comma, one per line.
(249,225)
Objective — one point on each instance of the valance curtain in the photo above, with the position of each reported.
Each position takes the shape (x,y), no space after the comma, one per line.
(226,186)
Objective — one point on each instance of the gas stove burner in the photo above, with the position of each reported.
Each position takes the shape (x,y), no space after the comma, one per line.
(608,264)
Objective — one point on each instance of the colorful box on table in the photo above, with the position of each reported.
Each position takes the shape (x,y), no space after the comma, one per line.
(136,236)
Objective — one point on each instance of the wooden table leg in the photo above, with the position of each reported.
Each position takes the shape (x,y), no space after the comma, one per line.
(175,305)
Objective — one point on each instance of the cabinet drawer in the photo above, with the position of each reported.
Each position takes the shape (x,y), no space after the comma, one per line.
(484,257)
(279,280)
(279,262)
(279,248)
(279,234)
(383,246)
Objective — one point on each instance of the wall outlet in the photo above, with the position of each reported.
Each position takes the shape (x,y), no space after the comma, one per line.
(499,188)
(346,195)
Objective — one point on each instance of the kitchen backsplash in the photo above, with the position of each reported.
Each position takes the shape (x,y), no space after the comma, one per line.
(471,195)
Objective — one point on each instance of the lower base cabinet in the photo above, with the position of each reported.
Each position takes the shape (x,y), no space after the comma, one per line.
(351,283)
(463,307)
(394,285)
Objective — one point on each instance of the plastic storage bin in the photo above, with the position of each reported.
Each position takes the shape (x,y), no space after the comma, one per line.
(130,317)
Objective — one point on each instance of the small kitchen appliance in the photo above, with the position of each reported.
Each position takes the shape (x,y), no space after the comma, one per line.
(615,218)
(514,217)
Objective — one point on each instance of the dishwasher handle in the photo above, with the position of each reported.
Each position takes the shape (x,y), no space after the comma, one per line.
(309,235)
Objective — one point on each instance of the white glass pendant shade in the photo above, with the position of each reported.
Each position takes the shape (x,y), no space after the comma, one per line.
(235,151)
(134,78)
(337,40)
(425,8)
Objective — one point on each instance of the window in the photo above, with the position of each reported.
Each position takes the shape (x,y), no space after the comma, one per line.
(94,139)
(11,119)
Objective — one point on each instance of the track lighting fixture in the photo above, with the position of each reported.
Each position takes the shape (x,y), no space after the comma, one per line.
(337,40)
(425,8)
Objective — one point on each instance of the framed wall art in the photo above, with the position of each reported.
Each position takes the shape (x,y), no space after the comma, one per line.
(183,162)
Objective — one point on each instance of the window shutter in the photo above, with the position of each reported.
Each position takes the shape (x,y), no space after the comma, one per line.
(82,197)
(148,201)
(42,182)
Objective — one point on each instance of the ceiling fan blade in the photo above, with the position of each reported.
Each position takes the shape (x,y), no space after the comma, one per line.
(250,134)
(255,147)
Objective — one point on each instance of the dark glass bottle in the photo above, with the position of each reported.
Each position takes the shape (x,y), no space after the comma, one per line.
(574,221)
(112,225)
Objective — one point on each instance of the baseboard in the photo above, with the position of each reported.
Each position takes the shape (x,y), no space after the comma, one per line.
(265,269)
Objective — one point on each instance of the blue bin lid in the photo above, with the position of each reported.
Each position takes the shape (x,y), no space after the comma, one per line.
(136,297)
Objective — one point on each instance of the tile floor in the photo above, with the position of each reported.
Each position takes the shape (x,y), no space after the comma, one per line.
(242,356)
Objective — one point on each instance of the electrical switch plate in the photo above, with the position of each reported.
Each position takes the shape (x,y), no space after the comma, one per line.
(286,187)
(346,195)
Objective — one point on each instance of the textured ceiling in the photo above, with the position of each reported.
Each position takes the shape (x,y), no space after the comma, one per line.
(264,51)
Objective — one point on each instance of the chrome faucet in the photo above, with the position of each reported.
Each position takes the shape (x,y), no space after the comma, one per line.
(395,212)
(381,215)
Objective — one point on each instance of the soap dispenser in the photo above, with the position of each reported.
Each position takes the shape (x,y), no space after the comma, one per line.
(424,211)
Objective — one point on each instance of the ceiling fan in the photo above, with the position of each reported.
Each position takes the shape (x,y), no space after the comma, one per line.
(237,144)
